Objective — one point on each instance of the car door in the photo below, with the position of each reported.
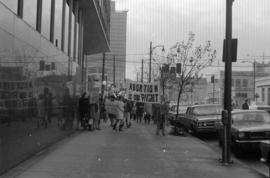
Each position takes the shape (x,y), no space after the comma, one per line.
(190,117)
(185,118)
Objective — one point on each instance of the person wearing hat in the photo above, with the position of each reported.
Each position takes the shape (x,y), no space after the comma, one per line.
(245,105)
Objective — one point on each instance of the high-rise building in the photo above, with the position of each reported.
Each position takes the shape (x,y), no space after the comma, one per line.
(118,34)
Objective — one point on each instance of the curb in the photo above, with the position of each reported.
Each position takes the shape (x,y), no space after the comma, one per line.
(235,159)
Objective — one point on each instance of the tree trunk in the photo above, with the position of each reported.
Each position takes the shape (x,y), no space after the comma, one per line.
(178,100)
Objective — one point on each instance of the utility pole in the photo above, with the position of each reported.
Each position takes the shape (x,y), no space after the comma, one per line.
(214,92)
(114,71)
(150,62)
(254,80)
(142,72)
(137,76)
(226,150)
(103,77)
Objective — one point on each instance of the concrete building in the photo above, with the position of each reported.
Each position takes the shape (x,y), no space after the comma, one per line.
(194,93)
(42,49)
(242,87)
(118,35)
(213,92)
(263,91)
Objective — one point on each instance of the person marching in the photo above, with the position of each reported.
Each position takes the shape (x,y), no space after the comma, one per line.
(110,109)
(161,118)
(119,105)
(128,109)
(133,111)
(139,112)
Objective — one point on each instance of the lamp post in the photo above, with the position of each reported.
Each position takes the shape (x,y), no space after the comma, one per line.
(150,59)
(226,150)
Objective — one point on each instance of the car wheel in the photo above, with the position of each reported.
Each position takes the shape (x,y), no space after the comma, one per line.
(238,152)
(194,130)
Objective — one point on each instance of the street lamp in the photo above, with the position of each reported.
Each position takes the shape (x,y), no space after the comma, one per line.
(151,53)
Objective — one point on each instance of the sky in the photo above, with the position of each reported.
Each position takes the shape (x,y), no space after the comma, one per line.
(165,22)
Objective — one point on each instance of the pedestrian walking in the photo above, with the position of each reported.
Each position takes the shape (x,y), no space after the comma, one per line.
(96,116)
(110,109)
(119,105)
(161,118)
(245,106)
(139,112)
(81,107)
(147,118)
(133,112)
(128,109)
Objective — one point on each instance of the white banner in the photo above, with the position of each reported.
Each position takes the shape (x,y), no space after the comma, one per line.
(143,92)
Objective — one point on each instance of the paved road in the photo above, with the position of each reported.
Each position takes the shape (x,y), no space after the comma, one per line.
(134,153)
(252,159)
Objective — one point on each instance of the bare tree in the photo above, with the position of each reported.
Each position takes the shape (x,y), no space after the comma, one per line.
(193,60)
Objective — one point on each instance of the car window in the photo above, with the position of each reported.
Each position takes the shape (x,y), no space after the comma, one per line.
(250,118)
(181,110)
(188,110)
(207,110)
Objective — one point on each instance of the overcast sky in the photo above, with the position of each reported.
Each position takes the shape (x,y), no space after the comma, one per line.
(168,21)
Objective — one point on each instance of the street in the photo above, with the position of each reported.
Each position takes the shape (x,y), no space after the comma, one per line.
(135,152)
(251,159)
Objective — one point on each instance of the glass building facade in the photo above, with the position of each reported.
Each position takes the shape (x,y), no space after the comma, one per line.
(42,49)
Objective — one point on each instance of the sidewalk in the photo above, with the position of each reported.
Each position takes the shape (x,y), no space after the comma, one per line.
(22,140)
(134,153)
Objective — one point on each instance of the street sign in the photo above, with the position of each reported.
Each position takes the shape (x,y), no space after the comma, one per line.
(234,50)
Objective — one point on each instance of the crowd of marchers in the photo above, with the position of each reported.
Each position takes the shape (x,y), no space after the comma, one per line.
(120,112)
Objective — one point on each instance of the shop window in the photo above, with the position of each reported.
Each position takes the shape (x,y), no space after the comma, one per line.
(238,83)
(245,83)
(263,95)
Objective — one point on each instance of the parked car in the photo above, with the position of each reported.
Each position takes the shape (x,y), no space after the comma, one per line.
(265,152)
(202,118)
(249,128)
(172,115)
(261,107)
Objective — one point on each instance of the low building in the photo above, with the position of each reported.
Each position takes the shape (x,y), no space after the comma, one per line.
(196,92)
(263,91)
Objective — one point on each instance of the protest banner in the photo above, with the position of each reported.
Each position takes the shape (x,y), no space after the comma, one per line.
(143,92)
